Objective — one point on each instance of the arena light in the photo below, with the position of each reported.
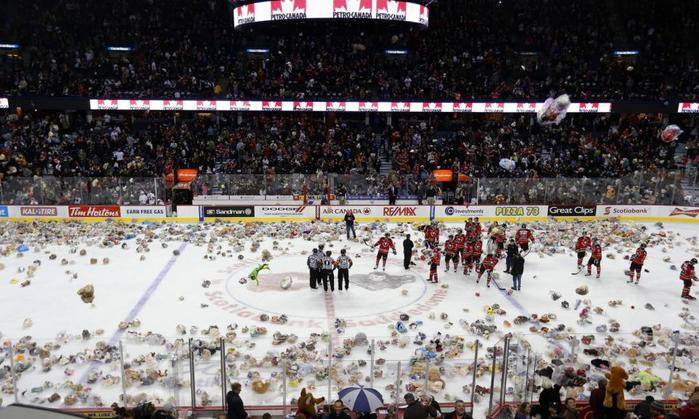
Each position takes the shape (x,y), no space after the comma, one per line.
(257,50)
(626,53)
(119,49)
(9,46)
(396,52)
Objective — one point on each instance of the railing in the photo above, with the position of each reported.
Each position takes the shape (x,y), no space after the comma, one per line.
(195,373)
(666,188)
(92,371)
(82,190)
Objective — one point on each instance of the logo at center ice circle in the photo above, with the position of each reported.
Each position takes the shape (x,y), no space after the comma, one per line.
(299,301)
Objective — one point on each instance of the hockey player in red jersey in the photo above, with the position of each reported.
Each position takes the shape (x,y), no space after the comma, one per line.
(477,252)
(477,227)
(435,234)
(487,265)
(688,274)
(385,244)
(460,241)
(523,236)
(581,246)
(468,257)
(595,258)
(468,224)
(637,261)
(432,235)
(434,265)
(450,253)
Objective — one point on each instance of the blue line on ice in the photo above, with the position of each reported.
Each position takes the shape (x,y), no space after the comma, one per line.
(140,304)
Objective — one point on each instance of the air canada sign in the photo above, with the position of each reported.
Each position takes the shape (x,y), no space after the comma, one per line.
(343,210)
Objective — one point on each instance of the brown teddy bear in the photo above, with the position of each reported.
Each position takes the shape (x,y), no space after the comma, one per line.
(307,403)
(87,293)
(617,377)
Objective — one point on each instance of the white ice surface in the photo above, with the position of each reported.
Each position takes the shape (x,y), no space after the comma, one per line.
(150,291)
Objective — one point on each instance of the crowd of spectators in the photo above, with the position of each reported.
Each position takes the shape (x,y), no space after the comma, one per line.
(277,154)
(477,49)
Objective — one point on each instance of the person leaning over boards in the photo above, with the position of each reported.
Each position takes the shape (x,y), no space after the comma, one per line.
(459,411)
(236,409)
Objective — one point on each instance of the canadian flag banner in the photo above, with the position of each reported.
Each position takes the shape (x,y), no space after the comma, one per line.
(335,106)
(303,106)
(342,106)
(276,10)
(685,107)
(368,106)
(432,107)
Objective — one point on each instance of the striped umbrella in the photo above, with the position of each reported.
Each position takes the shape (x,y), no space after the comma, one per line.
(361,399)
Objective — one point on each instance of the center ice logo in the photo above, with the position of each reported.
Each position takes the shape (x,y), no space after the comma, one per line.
(390,9)
(381,280)
(352,9)
(288,9)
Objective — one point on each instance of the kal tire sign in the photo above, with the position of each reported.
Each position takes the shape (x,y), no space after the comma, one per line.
(572,211)
(236,211)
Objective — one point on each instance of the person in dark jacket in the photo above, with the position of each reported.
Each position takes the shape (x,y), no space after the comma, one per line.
(420,192)
(415,409)
(407,251)
(338,411)
(392,195)
(236,409)
(517,271)
(647,409)
(349,224)
(459,411)
(512,249)
(597,399)
(550,401)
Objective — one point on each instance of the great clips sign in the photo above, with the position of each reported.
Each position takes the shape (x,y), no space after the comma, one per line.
(275,10)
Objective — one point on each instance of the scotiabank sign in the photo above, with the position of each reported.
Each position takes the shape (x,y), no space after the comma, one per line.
(614,211)
(572,211)
(38,211)
(82,211)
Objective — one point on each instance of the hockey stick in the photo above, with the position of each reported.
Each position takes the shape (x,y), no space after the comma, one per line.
(497,285)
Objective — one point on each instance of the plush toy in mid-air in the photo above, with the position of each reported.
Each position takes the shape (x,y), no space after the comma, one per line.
(553,111)
(255,272)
